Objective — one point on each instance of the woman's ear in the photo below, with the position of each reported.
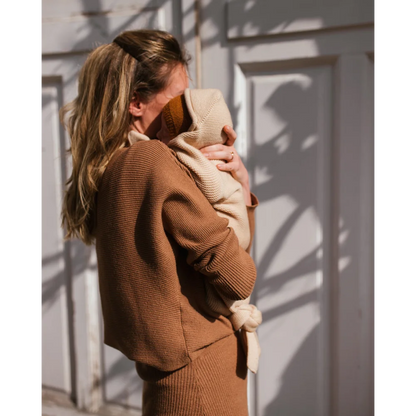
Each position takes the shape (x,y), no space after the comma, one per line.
(136,107)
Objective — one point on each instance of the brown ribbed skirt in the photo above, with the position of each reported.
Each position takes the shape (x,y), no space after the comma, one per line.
(214,383)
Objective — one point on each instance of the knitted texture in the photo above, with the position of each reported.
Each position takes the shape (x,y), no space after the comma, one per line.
(158,240)
(213,384)
(210,114)
(177,116)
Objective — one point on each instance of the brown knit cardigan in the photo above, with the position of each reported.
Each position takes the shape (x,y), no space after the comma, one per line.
(157,239)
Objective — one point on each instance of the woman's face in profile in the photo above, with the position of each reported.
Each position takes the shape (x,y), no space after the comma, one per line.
(151,120)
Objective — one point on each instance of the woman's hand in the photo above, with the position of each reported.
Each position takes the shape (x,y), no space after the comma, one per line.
(234,164)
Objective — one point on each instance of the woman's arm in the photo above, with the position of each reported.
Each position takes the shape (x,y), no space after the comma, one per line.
(213,247)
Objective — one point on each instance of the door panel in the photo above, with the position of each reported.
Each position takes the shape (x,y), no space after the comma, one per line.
(80,26)
(56,370)
(297,77)
(247,18)
(291,154)
(122,384)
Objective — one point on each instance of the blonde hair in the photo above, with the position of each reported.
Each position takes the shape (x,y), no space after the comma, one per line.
(98,119)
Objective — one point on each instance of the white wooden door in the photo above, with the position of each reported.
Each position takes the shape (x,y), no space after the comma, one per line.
(298,77)
(75,362)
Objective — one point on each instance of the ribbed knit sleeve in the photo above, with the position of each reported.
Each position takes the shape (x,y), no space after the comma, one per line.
(158,242)
(213,247)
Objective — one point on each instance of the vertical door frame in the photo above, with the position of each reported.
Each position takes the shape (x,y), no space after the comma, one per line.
(353,338)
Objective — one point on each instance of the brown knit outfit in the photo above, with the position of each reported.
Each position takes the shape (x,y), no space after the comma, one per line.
(213,384)
(157,240)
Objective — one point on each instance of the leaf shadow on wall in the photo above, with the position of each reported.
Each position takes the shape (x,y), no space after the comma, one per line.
(286,160)
(288,164)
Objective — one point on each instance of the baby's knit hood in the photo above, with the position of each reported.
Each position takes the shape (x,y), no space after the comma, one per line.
(209,114)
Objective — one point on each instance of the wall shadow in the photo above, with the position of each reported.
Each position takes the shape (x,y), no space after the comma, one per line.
(287,162)
(297,395)
(280,159)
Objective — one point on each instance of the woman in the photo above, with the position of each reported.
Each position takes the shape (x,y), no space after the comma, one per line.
(157,237)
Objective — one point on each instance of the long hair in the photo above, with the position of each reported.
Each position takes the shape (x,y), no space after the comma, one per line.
(98,119)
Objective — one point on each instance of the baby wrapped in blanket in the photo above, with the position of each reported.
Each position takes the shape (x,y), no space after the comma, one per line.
(189,122)
(192,121)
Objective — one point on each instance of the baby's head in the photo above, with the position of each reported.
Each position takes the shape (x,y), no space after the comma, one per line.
(202,113)
(175,119)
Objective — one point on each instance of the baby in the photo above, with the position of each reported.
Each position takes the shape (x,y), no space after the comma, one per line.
(189,122)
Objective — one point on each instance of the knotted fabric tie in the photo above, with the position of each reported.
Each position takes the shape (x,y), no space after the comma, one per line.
(247,318)
(244,316)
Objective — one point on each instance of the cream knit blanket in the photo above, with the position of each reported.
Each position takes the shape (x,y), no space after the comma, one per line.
(210,114)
